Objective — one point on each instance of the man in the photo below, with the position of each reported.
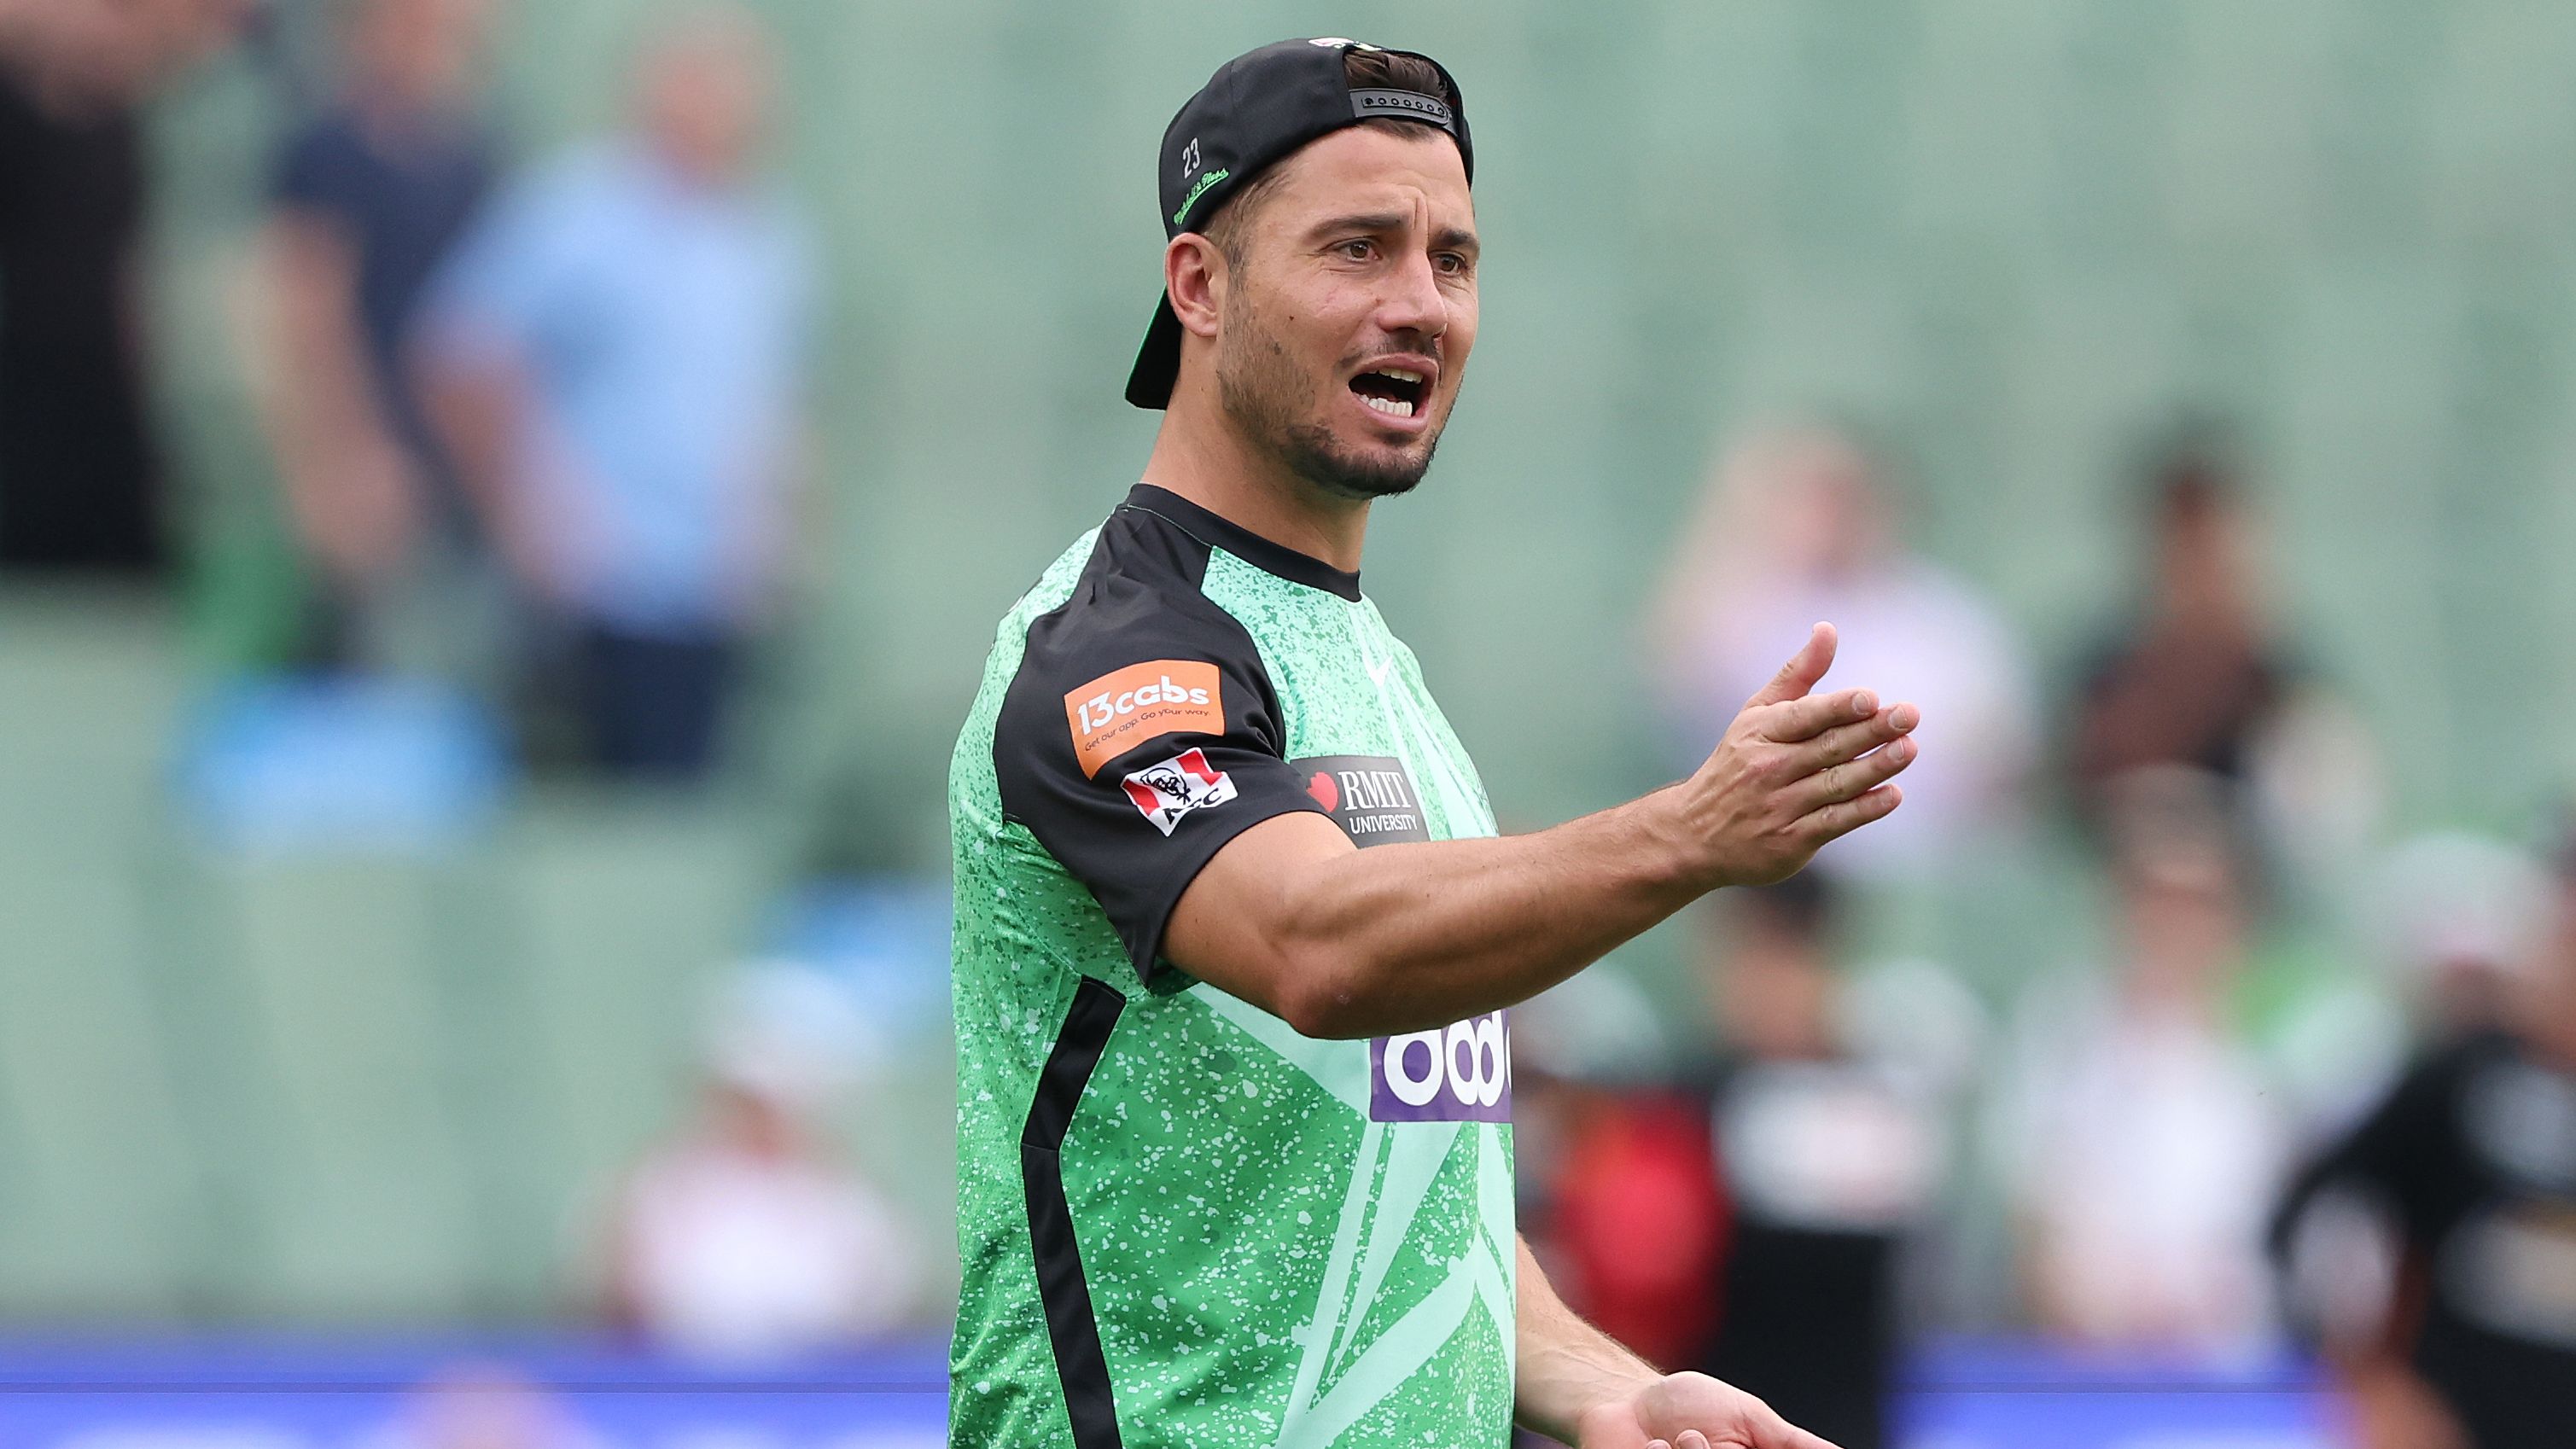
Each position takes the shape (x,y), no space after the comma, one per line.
(1807,1289)
(80,484)
(1255,1080)
(2464,1175)
(616,357)
(369,197)
(2142,1133)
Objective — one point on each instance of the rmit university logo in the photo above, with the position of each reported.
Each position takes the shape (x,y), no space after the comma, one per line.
(1369,796)
(1459,1073)
(1164,793)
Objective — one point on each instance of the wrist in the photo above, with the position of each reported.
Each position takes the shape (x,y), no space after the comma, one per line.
(1581,1389)
(1680,858)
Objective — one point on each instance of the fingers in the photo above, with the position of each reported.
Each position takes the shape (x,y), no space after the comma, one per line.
(1801,672)
(1851,738)
(1790,721)
(1779,1433)
(1842,818)
(1839,782)
(1769,1432)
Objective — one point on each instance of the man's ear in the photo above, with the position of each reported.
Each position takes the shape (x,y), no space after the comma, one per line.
(1194,276)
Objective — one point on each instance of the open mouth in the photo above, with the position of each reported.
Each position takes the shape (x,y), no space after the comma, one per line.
(1398,392)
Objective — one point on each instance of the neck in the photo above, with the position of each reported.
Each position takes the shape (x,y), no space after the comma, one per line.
(1200,456)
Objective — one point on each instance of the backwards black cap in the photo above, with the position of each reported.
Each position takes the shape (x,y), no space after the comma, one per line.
(1258,109)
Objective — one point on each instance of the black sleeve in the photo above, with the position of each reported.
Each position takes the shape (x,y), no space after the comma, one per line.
(1140,735)
(2406,1155)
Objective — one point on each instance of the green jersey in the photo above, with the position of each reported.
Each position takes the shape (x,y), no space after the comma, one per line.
(1180,1222)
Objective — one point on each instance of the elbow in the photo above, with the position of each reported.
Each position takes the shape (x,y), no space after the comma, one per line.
(1321,998)
(1320,1016)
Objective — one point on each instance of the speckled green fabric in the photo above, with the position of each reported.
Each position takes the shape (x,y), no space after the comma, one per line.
(1267,1265)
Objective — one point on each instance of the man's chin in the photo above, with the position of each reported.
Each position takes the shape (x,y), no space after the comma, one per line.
(1361,469)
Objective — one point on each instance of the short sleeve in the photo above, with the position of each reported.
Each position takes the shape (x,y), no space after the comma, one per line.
(1140,736)
(317,170)
(506,279)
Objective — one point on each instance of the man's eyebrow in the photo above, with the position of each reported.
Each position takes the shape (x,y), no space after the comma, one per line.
(1450,239)
(1369,221)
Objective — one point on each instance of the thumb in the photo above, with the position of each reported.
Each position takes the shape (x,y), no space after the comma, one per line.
(1801,672)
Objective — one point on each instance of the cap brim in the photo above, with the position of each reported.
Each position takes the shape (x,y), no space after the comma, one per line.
(1158,362)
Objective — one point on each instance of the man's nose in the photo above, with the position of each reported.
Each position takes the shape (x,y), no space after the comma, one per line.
(1413,301)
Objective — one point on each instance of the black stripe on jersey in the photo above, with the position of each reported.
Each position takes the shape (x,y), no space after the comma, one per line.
(1140,599)
(1080,1364)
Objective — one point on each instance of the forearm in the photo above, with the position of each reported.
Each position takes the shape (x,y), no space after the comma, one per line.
(344,479)
(1567,1367)
(1412,936)
(1343,942)
(474,405)
(316,397)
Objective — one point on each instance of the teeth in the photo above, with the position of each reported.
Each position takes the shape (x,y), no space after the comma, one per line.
(1400,374)
(1395,407)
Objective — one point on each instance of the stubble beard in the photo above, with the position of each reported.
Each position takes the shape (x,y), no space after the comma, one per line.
(1260,387)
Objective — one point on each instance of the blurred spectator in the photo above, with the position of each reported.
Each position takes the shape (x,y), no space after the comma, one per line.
(1795,527)
(1634,1218)
(2199,677)
(369,195)
(1829,1161)
(617,357)
(2454,1202)
(2195,674)
(742,1237)
(2141,1135)
(80,487)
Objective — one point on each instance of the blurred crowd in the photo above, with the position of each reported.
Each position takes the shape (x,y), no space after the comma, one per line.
(538,432)
(2306,1083)
(539,429)
(537,426)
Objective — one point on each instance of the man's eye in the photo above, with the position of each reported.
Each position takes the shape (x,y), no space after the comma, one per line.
(1357,249)
(1450,263)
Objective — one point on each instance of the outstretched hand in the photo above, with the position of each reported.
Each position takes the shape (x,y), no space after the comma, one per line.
(1690,1411)
(1796,770)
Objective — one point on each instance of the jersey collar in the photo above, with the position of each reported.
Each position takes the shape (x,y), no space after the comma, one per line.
(1243,543)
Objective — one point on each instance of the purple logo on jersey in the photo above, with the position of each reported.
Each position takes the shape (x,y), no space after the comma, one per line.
(1459,1073)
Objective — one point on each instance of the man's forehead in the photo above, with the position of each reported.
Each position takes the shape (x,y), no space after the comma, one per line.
(1370,169)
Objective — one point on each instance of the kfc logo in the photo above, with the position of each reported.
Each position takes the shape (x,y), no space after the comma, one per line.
(1459,1073)
(1164,793)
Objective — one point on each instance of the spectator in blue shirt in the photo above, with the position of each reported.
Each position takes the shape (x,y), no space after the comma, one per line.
(616,357)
